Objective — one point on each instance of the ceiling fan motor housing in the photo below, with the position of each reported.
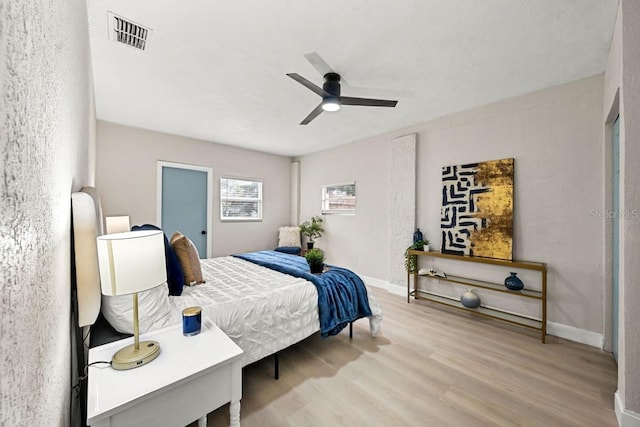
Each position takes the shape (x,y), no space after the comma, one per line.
(332,84)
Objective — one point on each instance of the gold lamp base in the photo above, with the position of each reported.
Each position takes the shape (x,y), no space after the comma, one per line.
(128,357)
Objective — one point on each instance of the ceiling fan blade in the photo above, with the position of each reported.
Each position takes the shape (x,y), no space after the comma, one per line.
(322,66)
(312,115)
(367,102)
(306,83)
(318,63)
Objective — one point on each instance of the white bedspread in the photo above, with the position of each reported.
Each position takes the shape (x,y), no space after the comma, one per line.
(261,310)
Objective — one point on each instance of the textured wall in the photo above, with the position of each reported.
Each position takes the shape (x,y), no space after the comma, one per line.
(402,203)
(46,115)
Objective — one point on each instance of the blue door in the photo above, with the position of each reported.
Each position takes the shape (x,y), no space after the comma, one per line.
(615,256)
(184,205)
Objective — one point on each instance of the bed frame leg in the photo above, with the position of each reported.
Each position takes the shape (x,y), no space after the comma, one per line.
(276,360)
(350,330)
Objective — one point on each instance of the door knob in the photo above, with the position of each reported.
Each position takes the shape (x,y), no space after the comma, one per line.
(203,232)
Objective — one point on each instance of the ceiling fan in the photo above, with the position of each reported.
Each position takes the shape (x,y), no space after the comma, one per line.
(331,99)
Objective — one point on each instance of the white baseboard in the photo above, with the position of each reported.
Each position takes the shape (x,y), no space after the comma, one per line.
(625,418)
(571,333)
(376,283)
(397,290)
(383,284)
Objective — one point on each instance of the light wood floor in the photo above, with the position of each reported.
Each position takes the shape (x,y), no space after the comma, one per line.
(430,366)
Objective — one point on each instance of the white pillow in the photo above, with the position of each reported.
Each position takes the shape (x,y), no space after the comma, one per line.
(154,310)
(289,237)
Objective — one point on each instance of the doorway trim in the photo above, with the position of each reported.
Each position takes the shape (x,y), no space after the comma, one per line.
(209,171)
(614,112)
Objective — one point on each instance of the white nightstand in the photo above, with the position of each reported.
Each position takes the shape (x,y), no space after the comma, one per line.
(191,377)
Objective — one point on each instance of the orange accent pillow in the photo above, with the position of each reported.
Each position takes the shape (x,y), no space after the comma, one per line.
(188,257)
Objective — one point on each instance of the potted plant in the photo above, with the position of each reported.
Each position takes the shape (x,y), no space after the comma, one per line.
(312,229)
(425,247)
(315,259)
(411,261)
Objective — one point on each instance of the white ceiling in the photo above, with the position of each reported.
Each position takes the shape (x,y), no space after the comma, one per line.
(216,69)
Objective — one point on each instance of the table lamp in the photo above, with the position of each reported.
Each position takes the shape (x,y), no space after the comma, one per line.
(129,263)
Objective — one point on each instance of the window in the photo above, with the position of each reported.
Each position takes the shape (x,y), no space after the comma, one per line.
(339,199)
(240,199)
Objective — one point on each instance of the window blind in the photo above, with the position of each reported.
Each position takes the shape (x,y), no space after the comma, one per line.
(240,199)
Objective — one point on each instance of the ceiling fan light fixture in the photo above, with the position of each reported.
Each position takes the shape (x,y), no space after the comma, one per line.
(331,98)
(330,104)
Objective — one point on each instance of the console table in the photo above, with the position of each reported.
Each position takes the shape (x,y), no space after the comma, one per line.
(191,377)
(539,324)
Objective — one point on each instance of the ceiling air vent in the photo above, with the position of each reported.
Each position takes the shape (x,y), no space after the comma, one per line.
(125,31)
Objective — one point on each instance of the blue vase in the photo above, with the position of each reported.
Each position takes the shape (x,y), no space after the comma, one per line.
(513,282)
(417,236)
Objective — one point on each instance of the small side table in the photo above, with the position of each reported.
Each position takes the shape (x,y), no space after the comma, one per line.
(191,377)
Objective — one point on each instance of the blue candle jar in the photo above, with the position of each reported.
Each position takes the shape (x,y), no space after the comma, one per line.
(191,321)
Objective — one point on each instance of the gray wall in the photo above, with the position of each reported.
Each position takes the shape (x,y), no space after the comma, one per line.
(126,175)
(46,145)
(622,87)
(359,242)
(556,138)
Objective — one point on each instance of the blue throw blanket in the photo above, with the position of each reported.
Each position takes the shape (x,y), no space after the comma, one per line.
(342,296)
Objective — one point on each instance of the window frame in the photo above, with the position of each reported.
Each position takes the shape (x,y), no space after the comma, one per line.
(325,200)
(259,199)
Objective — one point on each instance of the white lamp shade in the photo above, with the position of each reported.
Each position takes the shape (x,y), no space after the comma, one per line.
(131,262)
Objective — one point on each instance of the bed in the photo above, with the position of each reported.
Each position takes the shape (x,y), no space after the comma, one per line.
(261,309)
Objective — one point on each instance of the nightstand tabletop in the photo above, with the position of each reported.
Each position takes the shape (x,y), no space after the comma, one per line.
(182,360)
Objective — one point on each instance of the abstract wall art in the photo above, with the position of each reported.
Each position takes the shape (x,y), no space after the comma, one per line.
(477,209)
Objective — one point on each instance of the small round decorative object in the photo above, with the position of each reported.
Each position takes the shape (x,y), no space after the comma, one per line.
(513,282)
(469,299)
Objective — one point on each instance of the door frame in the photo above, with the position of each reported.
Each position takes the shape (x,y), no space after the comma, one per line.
(209,171)
(615,232)
(614,112)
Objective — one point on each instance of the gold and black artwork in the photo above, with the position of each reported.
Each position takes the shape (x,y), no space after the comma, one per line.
(477,209)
